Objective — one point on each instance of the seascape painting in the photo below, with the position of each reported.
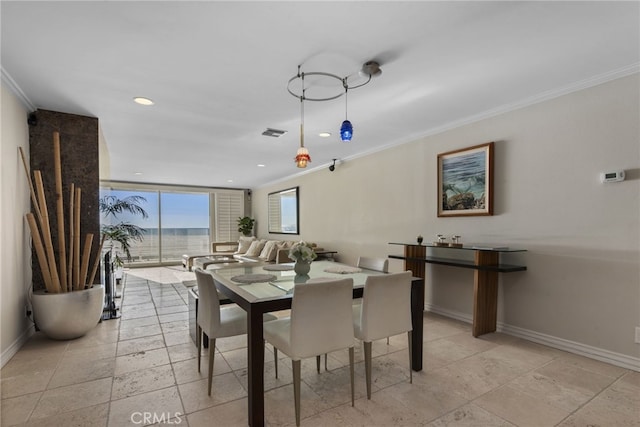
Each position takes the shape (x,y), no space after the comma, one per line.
(465,181)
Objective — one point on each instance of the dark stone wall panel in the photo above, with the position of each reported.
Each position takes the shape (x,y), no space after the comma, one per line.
(79,154)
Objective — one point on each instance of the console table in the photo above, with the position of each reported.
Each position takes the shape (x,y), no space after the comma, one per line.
(486,264)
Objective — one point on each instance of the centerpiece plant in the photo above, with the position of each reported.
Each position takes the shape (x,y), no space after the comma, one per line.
(302,253)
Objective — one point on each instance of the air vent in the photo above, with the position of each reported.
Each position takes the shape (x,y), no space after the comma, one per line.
(276,133)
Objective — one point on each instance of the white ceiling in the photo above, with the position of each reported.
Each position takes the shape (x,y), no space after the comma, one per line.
(218,73)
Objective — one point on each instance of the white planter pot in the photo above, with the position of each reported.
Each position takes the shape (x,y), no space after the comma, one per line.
(68,315)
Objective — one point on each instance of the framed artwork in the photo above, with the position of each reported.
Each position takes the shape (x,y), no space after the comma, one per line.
(465,181)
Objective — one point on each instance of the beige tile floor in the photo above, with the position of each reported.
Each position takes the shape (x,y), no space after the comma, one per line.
(141,369)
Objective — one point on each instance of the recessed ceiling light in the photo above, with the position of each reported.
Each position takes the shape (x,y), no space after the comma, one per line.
(260,165)
(324,134)
(229,180)
(142,101)
(138,173)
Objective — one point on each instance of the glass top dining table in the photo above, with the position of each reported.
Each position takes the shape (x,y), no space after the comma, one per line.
(260,288)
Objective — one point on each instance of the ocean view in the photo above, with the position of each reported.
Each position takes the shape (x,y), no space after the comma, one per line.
(175,243)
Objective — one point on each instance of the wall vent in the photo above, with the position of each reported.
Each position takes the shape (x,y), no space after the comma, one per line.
(276,133)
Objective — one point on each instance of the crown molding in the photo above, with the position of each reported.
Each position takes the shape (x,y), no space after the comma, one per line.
(15,89)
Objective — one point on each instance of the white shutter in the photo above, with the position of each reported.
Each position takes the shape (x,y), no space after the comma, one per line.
(228,207)
(275,214)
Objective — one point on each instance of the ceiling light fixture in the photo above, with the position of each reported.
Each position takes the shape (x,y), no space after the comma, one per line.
(142,100)
(369,70)
(302,156)
(346,130)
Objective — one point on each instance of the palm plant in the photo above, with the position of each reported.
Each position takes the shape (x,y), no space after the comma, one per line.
(123,232)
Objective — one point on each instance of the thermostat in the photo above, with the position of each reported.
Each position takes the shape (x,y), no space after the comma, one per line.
(614,176)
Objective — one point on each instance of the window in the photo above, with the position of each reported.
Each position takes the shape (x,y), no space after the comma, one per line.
(184,224)
(180,222)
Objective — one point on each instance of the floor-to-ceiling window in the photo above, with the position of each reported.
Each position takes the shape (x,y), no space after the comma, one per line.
(184,224)
(179,221)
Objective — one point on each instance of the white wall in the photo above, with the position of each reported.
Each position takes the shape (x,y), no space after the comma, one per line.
(582,288)
(15,253)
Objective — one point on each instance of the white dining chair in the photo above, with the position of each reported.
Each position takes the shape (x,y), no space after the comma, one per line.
(385,311)
(320,322)
(377,264)
(214,321)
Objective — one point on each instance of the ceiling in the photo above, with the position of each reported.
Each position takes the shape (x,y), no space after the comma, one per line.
(218,73)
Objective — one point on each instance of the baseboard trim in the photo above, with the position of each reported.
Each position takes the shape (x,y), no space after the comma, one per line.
(16,345)
(613,358)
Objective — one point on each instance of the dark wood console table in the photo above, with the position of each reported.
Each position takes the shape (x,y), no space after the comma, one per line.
(486,264)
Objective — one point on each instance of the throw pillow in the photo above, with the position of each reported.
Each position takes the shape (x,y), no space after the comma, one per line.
(267,249)
(255,248)
(244,243)
(272,252)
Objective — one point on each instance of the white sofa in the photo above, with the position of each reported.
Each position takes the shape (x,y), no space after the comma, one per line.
(246,249)
(265,250)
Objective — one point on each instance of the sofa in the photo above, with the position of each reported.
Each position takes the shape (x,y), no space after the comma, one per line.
(265,250)
(246,249)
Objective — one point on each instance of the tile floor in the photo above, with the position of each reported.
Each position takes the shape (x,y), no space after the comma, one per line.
(141,369)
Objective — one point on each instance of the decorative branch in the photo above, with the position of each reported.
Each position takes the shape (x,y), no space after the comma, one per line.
(73,269)
(36,207)
(97,261)
(42,257)
(62,250)
(46,233)
(72,247)
(84,268)
(76,253)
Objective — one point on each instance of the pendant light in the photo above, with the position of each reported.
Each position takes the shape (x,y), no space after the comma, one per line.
(302,156)
(369,70)
(346,130)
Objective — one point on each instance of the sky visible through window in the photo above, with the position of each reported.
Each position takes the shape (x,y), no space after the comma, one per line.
(179,210)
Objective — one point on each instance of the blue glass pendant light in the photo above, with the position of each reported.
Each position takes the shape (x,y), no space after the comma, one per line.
(346,130)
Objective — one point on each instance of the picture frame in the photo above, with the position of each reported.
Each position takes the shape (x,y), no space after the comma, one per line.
(465,181)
